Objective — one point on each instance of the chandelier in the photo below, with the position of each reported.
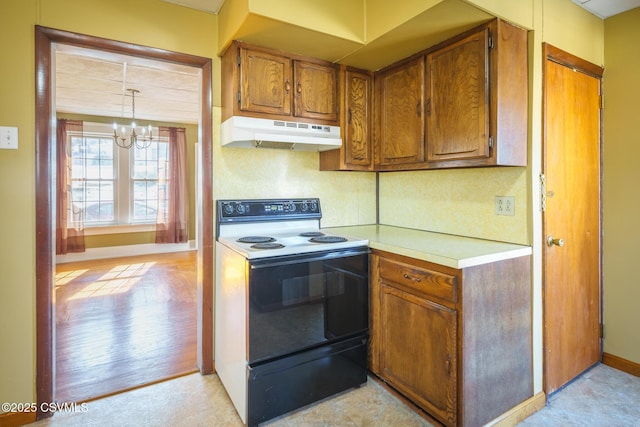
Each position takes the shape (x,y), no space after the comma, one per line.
(127,139)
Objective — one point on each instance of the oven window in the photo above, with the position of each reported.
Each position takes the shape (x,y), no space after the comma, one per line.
(294,306)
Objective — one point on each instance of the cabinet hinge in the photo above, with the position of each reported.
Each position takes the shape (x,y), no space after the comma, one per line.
(238,96)
(238,59)
(490,142)
(602,101)
(602,330)
(490,41)
(543,193)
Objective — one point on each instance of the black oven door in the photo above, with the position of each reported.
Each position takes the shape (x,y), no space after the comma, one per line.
(301,301)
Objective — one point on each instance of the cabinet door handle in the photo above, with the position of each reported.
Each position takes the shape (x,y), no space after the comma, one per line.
(428,107)
(416,279)
(418,109)
(287,86)
(350,115)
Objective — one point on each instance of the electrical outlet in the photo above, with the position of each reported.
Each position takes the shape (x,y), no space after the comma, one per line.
(505,205)
(8,138)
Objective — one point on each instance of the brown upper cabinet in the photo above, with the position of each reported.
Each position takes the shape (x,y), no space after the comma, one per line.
(458,100)
(400,125)
(266,83)
(461,103)
(477,99)
(356,152)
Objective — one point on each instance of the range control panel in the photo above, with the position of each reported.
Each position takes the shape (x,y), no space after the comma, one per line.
(267,210)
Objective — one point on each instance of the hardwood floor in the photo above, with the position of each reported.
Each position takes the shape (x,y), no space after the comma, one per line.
(122,323)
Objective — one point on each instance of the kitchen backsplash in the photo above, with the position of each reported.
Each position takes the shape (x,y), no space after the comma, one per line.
(457,201)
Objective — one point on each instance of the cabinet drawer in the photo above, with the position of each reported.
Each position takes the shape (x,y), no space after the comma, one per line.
(427,282)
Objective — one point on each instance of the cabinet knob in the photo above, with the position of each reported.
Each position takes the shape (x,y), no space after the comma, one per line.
(287,86)
(416,279)
(299,87)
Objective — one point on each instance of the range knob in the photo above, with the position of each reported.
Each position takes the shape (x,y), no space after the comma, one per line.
(305,206)
(314,206)
(228,208)
(240,208)
(291,207)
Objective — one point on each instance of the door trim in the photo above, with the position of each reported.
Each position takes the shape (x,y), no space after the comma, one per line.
(554,54)
(45,198)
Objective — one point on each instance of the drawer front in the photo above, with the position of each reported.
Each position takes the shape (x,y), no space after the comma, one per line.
(427,282)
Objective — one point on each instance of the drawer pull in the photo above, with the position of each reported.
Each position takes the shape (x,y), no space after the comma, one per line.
(417,279)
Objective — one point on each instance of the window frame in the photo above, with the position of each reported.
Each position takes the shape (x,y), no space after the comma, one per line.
(123,173)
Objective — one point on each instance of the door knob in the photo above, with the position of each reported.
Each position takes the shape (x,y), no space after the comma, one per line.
(551,241)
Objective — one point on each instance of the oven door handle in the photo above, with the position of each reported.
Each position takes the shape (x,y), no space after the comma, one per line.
(300,259)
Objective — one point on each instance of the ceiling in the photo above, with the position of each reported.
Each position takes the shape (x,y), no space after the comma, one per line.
(607,8)
(91,82)
(600,8)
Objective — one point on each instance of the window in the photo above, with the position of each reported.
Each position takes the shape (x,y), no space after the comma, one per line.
(150,174)
(93,179)
(112,185)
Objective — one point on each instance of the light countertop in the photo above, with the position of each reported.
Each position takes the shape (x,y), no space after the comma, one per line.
(444,249)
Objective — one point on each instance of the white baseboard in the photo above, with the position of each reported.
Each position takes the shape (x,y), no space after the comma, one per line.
(125,251)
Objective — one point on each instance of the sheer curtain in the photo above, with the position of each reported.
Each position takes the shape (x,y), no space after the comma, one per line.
(69,219)
(173,196)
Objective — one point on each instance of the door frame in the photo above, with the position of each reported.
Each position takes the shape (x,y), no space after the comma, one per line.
(45,116)
(554,54)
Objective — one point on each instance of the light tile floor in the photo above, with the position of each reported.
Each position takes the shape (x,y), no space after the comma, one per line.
(603,396)
(196,400)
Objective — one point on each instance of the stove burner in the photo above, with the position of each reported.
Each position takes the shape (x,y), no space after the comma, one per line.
(328,239)
(268,245)
(256,239)
(311,234)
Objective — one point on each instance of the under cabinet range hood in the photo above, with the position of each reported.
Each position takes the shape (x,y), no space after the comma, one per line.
(250,132)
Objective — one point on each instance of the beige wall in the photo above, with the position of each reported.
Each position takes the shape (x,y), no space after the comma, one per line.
(237,173)
(621,175)
(348,198)
(145,22)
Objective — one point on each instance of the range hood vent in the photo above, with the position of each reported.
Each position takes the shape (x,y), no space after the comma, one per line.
(249,132)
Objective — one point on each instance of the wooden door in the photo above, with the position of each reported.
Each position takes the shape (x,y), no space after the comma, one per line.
(458,100)
(400,119)
(316,91)
(265,82)
(418,351)
(572,267)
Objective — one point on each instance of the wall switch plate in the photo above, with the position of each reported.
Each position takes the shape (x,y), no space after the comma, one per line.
(505,205)
(8,138)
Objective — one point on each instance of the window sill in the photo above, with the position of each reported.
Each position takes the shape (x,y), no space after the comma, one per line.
(119,229)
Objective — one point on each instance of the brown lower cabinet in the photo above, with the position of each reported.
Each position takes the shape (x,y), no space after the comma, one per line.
(456,342)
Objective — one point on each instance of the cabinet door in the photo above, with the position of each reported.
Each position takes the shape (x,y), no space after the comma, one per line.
(418,351)
(357,136)
(400,93)
(458,100)
(265,82)
(316,91)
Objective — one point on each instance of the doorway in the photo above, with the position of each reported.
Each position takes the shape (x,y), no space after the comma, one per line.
(45,199)
(572,220)
(122,323)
